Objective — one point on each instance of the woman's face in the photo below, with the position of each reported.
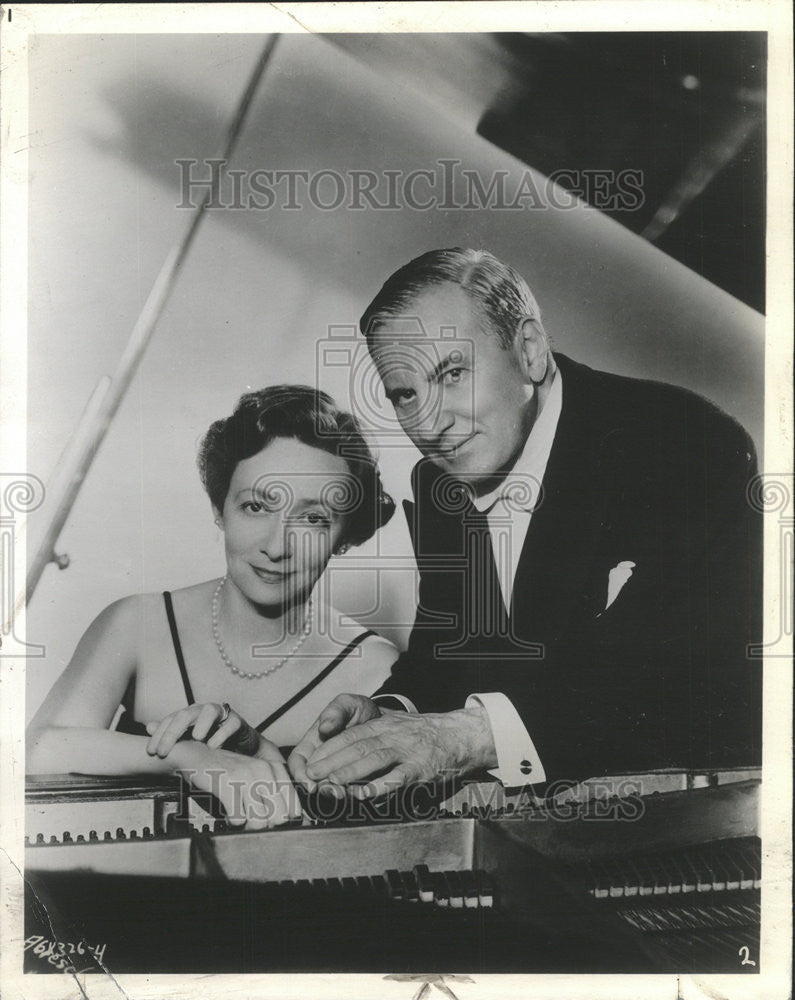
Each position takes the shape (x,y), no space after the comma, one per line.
(282,519)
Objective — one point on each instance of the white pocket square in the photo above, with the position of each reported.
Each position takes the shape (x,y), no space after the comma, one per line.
(616,580)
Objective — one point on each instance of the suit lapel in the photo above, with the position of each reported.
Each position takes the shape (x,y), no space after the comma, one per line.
(552,578)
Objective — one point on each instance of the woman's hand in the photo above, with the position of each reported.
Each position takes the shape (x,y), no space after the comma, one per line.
(216,725)
(255,793)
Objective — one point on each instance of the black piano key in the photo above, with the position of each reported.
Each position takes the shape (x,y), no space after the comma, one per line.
(425,885)
(721,872)
(456,889)
(733,871)
(469,886)
(394,884)
(597,880)
(441,890)
(659,871)
(411,886)
(632,879)
(689,875)
(334,884)
(648,878)
(745,861)
(349,884)
(364,884)
(486,889)
(616,879)
(379,884)
(703,873)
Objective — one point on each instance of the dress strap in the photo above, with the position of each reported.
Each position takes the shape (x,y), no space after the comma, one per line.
(172,624)
(315,681)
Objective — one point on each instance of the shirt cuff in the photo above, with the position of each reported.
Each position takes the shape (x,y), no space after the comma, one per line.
(518,762)
(406,703)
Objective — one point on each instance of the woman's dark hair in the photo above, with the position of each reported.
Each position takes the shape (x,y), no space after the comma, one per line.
(311,417)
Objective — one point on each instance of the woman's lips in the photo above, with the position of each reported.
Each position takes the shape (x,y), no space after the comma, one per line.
(270,576)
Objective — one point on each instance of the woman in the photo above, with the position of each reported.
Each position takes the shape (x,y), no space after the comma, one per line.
(242,664)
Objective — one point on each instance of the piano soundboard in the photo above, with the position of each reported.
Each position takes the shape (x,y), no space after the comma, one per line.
(655,872)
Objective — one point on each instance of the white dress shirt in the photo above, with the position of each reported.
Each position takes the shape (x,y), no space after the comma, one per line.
(510,509)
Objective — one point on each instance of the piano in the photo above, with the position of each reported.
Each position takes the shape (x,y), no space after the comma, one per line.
(655,872)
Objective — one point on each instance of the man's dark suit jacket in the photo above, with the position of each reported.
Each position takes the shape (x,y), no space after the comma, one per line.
(642,472)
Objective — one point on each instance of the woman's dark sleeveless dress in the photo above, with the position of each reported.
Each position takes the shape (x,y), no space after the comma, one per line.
(127,724)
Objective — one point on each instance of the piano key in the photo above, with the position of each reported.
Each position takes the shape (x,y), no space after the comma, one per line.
(733,872)
(425,885)
(486,891)
(456,890)
(394,884)
(631,879)
(469,886)
(441,890)
(704,875)
(660,876)
(647,878)
(689,876)
(410,885)
(599,880)
(720,873)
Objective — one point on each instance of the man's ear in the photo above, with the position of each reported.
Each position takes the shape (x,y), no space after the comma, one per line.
(533,348)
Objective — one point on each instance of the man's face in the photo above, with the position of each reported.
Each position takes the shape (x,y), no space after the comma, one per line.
(463,399)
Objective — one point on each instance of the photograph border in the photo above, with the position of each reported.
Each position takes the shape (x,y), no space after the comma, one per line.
(17,25)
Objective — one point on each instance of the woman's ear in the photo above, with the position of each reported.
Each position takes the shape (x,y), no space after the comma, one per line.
(533,348)
(218,518)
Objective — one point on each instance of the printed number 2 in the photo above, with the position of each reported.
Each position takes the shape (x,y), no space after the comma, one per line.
(744,953)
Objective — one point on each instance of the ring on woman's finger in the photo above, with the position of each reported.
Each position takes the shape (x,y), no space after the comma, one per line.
(226,711)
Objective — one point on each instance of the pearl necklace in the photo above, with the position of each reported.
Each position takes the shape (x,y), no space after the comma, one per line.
(306,628)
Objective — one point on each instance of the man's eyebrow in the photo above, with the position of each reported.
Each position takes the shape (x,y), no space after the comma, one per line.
(455,357)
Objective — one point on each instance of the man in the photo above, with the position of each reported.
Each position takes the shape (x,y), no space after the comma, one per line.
(590,570)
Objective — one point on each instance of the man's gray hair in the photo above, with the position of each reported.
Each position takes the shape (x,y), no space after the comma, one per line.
(502,292)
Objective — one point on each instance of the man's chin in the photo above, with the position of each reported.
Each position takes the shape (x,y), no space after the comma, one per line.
(466,472)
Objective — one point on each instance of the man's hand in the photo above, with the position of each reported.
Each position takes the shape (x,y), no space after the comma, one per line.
(399,748)
(344,711)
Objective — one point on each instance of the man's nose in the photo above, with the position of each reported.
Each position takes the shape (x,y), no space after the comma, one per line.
(438,419)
